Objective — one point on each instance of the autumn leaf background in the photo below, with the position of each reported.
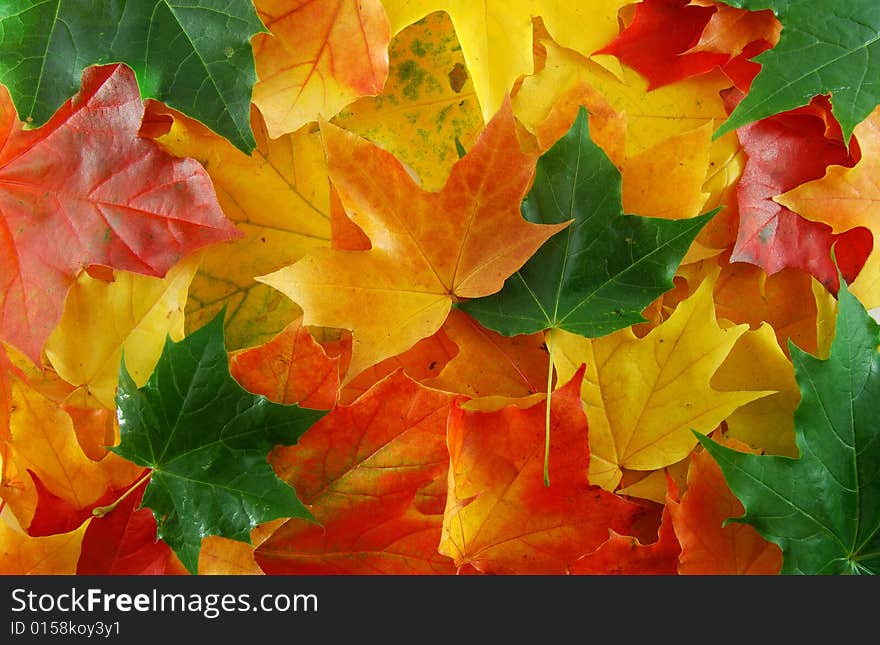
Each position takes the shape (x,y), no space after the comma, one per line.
(412,287)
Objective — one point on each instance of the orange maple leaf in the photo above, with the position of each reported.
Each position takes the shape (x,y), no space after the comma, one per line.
(428,249)
(359,471)
(707,546)
(500,517)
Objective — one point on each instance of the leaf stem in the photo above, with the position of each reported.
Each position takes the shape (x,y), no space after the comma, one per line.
(547,415)
(101,511)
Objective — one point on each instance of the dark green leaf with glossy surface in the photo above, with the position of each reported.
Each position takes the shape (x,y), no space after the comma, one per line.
(822,509)
(194,55)
(826,47)
(597,275)
(207,440)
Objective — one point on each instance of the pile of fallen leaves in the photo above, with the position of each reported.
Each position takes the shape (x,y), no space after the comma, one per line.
(350,286)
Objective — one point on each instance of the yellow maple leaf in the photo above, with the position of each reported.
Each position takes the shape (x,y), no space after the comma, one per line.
(496,36)
(644,396)
(134,314)
(279,196)
(428,102)
(756,362)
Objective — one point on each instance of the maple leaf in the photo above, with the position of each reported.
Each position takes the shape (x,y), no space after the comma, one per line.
(278,197)
(85,189)
(605,269)
(205,439)
(784,151)
(657,41)
(823,49)
(428,98)
(644,395)
(821,508)
(402,288)
(708,546)
(319,56)
(500,517)
(133,314)
(496,37)
(358,470)
(846,198)
(194,55)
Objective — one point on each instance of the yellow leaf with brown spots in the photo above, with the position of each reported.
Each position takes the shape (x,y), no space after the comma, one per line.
(496,35)
(428,102)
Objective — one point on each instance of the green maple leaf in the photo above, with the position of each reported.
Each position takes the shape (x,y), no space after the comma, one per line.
(206,440)
(826,47)
(193,55)
(822,509)
(597,275)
